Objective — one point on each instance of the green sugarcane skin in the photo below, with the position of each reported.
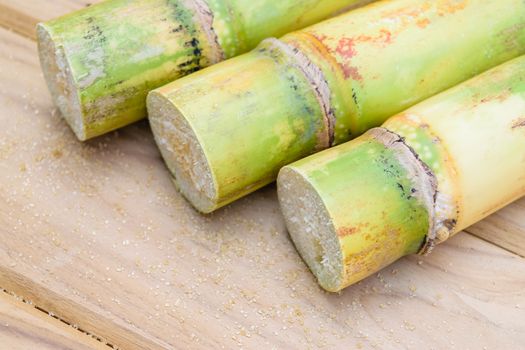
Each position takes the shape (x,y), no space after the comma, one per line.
(393,54)
(293,117)
(119,50)
(354,180)
(471,138)
(377,61)
(242,24)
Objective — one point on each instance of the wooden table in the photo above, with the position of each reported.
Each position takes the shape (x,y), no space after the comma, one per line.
(96,235)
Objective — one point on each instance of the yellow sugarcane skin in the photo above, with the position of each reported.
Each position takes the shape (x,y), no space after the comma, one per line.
(471,140)
(477,131)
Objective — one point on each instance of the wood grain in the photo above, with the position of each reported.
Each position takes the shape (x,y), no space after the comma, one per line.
(505,228)
(24,327)
(95,233)
(22,16)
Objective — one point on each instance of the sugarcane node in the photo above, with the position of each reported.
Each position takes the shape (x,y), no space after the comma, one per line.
(317,80)
(205,19)
(98,80)
(353,209)
(358,73)
(145,44)
(423,179)
(442,234)
(181,137)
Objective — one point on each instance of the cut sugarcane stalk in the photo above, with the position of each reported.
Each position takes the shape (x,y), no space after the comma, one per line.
(101,62)
(426,174)
(227,130)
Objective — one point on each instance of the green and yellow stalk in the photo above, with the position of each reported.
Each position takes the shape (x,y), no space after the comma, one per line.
(101,62)
(400,189)
(227,130)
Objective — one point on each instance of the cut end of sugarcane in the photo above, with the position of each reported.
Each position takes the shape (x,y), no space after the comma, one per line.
(57,73)
(182,153)
(310,227)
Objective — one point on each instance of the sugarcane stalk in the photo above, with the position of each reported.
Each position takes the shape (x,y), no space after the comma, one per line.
(426,174)
(227,130)
(101,62)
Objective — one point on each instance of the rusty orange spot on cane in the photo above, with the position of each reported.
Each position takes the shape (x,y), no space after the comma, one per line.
(346,47)
(451,6)
(351,72)
(346,50)
(346,231)
(423,23)
(385,36)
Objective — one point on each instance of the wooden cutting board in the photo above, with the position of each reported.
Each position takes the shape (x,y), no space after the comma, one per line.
(96,234)
(23,327)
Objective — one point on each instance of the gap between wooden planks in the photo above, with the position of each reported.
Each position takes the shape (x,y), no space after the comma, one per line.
(23,326)
(505,228)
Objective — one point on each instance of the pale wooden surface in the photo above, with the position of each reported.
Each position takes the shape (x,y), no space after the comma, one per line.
(23,327)
(505,228)
(96,234)
(23,15)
